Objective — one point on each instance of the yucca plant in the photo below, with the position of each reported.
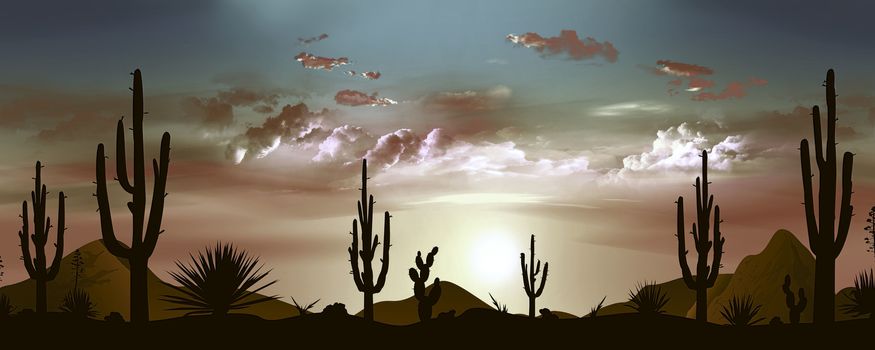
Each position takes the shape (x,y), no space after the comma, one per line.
(594,311)
(862,297)
(498,306)
(741,311)
(78,302)
(304,309)
(648,298)
(6,307)
(218,282)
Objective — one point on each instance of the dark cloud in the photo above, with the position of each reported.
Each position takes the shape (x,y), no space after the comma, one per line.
(358,98)
(568,43)
(294,124)
(314,39)
(218,112)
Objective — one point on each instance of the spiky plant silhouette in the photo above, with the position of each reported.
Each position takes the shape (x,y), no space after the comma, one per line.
(218,282)
(304,310)
(862,297)
(498,306)
(741,311)
(78,302)
(594,311)
(824,238)
(648,298)
(36,266)
(6,307)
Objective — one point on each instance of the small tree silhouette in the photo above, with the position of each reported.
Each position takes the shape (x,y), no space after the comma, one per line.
(426,301)
(36,266)
(78,267)
(217,282)
(529,277)
(795,308)
(364,280)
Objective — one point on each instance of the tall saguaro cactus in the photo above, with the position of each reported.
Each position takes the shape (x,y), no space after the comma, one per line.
(36,266)
(706,275)
(824,240)
(426,301)
(145,234)
(530,272)
(364,280)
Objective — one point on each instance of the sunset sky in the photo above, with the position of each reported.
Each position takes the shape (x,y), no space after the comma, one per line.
(483,123)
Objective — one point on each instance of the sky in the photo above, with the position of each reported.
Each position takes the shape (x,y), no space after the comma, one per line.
(483,123)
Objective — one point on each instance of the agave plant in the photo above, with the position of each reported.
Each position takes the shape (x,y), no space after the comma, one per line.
(498,306)
(741,311)
(648,298)
(6,307)
(862,297)
(78,302)
(217,282)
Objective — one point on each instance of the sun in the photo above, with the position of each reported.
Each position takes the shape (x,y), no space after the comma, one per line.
(494,257)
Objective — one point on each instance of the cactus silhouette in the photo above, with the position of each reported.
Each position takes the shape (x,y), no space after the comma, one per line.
(364,280)
(705,275)
(36,266)
(529,277)
(870,231)
(795,308)
(824,240)
(144,234)
(78,267)
(426,301)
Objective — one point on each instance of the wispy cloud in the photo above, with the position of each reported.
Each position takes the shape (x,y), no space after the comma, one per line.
(567,43)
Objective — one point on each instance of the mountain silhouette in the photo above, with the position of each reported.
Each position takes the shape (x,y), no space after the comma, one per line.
(107,280)
(403,312)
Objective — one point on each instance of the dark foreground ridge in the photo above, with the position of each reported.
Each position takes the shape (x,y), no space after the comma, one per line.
(475,328)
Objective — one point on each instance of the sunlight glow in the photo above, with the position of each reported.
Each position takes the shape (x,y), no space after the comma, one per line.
(495,257)
(484,198)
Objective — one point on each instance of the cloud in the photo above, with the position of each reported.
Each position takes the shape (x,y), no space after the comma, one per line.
(568,43)
(218,112)
(679,148)
(732,90)
(366,75)
(317,62)
(306,41)
(627,108)
(681,69)
(293,125)
(358,98)
(693,74)
(469,100)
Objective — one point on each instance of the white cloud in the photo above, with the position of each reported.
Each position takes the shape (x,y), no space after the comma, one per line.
(679,148)
(633,107)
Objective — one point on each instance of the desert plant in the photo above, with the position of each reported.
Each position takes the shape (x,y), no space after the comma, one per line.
(648,298)
(36,266)
(862,297)
(364,280)
(145,234)
(1,268)
(426,301)
(304,310)
(706,275)
(6,307)
(795,308)
(78,302)
(529,276)
(498,306)
(741,311)
(78,267)
(594,311)
(217,282)
(825,241)
(870,232)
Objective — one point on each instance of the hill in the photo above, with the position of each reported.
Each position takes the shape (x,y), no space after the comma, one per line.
(403,312)
(107,280)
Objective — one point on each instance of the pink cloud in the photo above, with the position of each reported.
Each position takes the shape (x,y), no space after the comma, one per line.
(317,62)
(358,98)
(693,74)
(366,75)
(469,100)
(732,90)
(567,42)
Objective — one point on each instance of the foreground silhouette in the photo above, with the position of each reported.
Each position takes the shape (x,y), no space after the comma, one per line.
(529,277)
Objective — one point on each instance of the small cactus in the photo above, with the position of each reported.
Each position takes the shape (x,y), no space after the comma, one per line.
(795,308)
(426,301)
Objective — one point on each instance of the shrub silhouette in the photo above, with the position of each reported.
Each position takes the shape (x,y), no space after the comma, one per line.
(304,310)
(529,277)
(706,275)
(862,297)
(78,302)
(741,311)
(145,234)
(825,241)
(6,307)
(364,280)
(795,308)
(335,310)
(648,299)
(594,311)
(426,301)
(498,306)
(217,282)
(36,266)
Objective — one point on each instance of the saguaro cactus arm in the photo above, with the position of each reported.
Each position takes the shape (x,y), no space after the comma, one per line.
(59,244)
(847,210)
(156,213)
(384,269)
(108,233)
(25,242)
(682,249)
(808,193)
(718,249)
(354,257)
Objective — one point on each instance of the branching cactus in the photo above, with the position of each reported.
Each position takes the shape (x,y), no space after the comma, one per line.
(530,272)
(36,265)
(795,308)
(145,234)
(426,301)
(364,277)
(825,241)
(706,275)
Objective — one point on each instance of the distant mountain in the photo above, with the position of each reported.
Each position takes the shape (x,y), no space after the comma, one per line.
(107,280)
(403,312)
(760,276)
